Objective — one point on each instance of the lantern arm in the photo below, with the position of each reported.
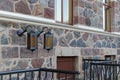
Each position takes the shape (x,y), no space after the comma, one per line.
(21,32)
(38,33)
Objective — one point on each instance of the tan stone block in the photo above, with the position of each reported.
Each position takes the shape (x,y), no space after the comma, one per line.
(38,10)
(66,51)
(108,51)
(10,52)
(26,53)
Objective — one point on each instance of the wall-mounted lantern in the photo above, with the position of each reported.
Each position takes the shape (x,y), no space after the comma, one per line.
(48,41)
(32,38)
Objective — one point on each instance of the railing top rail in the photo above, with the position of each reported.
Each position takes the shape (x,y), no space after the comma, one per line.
(59,71)
(94,60)
(104,63)
(18,71)
(39,69)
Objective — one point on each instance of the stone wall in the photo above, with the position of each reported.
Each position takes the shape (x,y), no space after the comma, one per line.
(42,8)
(88,13)
(14,54)
(115,21)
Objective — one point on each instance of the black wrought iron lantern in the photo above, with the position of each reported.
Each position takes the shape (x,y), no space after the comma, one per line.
(48,41)
(32,40)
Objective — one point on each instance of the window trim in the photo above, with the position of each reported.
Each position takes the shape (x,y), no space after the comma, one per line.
(70,20)
(104,18)
(107,17)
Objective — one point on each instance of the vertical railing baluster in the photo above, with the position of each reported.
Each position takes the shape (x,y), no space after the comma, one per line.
(93,71)
(1,77)
(113,73)
(88,64)
(32,75)
(45,75)
(116,75)
(90,71)
(66,78)
(52,78)
(97,72)
(39,75)
(25,76)
(17,76)
(74,77)
(9,76)
(104,72)
(58,76)
(84,68)
(101,72)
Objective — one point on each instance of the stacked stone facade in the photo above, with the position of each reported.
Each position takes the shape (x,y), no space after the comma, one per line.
(88,13)
(14,54)
(44,8)
(115,21)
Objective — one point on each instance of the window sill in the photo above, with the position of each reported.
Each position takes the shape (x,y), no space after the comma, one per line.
(22,18)
(16,17)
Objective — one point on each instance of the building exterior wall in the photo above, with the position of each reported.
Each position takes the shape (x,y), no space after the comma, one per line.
(115,22)
(41,8)
(88,13)
(14,54)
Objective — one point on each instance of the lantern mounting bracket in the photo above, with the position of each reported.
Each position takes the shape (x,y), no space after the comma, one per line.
(28,29)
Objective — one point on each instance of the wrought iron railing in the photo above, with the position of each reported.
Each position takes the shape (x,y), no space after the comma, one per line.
(106,70)
(86,67)
(39,74)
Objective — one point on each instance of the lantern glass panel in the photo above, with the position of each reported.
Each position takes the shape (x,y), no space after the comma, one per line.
(32,41)
(48,41)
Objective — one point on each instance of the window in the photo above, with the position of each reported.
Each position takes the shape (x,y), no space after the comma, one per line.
(63,11)
(112,15)
(107,16)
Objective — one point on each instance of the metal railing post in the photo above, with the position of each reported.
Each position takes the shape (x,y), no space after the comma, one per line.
(90,71)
